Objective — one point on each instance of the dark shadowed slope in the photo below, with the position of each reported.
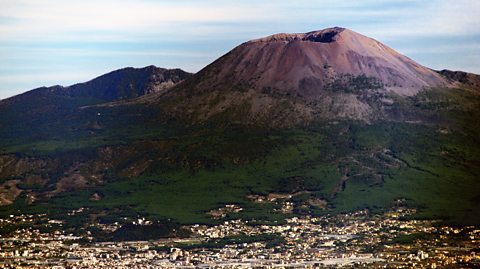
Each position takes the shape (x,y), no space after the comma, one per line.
(45,113)
(121,84)
(460,78)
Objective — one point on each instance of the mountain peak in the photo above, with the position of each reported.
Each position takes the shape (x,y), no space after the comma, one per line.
(305,63)
(326,35)
(290,78)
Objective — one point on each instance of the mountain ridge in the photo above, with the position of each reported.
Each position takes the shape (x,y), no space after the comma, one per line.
(124,83)
(121,84)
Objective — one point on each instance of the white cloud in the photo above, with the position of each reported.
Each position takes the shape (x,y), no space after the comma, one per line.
(43,19)
(431,18)
(116,19)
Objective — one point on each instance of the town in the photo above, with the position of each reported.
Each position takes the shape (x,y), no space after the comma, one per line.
(388,240)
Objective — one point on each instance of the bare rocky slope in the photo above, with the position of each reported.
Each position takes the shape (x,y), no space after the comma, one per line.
(291,79)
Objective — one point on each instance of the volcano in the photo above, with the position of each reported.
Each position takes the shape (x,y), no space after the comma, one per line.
(290,79)
(303,64)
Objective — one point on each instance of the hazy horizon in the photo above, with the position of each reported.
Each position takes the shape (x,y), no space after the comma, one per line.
(55,42)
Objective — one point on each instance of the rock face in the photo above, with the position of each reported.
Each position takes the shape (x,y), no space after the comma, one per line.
(460,78)
(290,79)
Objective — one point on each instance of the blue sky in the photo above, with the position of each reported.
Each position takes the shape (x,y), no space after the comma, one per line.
(43,43)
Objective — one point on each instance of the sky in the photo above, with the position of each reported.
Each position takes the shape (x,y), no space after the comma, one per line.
(62,42)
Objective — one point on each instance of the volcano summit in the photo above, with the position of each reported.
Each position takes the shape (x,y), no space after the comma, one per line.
(290,79)
(303,64)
